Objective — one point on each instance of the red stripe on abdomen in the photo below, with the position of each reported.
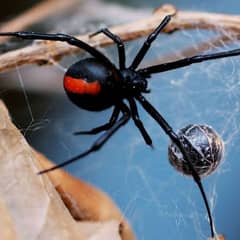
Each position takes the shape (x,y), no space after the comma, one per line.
(80,86)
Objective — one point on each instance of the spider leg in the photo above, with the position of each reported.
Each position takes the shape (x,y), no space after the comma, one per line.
(100,141)
(174,137)
(63,38)
(147,44)
(118,41)
(103,127)
(138,122)
(187,61)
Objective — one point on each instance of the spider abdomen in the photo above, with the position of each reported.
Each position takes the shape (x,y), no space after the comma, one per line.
(88,85)
(81,86)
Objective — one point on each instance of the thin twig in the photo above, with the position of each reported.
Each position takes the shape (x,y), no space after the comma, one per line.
(194,50)
(42,51)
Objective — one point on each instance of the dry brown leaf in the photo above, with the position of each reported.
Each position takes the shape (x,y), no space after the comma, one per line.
(88,203)
(29,205)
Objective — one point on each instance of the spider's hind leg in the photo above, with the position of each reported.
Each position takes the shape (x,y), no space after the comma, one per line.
(138,122)
(101,140)
(103,127)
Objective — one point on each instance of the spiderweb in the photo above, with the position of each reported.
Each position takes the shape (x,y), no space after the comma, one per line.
(159,202)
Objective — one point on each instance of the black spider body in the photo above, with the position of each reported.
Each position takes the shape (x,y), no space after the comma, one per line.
(96,84)
(92,85)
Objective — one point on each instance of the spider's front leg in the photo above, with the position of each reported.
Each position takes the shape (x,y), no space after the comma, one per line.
(178,142)
(168,66)
(62,38)
(147,44)
(118,41)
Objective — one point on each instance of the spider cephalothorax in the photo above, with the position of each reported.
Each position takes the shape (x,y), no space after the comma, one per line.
(96,84)
(134,83)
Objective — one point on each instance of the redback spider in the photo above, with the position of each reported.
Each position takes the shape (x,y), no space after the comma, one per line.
(96,84)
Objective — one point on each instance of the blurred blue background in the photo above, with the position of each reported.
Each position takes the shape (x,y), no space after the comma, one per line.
(158,201)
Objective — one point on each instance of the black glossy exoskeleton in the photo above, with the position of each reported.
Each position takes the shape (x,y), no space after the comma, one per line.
(96,84)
